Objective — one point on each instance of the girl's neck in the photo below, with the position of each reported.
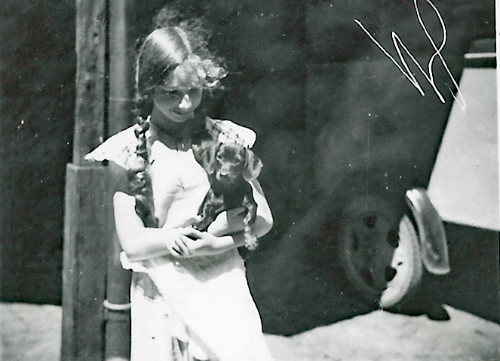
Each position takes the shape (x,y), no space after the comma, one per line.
(174,135)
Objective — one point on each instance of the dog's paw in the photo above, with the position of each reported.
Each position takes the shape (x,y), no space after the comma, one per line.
(201,226)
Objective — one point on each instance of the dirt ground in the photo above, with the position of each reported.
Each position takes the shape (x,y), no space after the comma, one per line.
(32,333)
(454,317)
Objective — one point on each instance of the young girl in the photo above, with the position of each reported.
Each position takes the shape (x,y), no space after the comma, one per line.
(189,291)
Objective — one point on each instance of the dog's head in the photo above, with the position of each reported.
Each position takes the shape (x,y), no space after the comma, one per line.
(229,162)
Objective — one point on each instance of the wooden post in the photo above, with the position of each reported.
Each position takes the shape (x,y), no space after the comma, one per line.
(91,18)
(86,211)
(84,263)
(121,64)
(121,59)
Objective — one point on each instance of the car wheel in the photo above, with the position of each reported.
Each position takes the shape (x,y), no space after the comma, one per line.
(380,252)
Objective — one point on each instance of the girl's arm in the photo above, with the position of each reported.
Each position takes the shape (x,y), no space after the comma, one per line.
(226,231)
(140,242)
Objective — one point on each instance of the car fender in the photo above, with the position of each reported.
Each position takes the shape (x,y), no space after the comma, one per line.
(431,231)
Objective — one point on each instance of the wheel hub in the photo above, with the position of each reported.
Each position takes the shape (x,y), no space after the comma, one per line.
(372,245)
(380,253)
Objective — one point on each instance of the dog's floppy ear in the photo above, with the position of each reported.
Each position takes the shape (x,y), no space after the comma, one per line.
(253,165)
(204,153)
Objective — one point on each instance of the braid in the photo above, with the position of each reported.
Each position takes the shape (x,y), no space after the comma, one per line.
(139,180)
(140,129)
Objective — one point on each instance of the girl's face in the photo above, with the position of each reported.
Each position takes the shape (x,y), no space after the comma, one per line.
(177,104)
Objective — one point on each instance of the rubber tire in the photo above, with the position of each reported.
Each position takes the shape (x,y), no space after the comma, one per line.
(368,217)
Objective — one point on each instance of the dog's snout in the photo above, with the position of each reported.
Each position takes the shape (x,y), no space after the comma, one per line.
(225,170)
(226,177)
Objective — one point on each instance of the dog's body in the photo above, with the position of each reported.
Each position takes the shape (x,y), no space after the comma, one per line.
(230,166)
(219,199)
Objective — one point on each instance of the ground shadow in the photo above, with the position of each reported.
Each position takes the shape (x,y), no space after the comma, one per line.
(298,291)
(472,285)
(300,284)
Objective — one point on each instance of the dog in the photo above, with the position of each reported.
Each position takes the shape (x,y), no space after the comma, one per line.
(230,168)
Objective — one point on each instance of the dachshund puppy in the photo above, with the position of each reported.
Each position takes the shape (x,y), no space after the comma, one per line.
(230,167)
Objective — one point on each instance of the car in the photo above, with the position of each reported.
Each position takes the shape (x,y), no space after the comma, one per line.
(373,141)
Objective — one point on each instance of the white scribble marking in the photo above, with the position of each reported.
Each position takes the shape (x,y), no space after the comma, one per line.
(398,44)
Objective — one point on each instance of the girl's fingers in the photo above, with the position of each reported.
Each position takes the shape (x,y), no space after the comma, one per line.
(176,251)
(181,244)
(178,245)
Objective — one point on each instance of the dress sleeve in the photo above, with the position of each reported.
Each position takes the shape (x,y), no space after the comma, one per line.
(228,131)
(119,149)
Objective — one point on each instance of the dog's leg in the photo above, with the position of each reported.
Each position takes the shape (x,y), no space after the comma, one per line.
(210,208)
(207,219)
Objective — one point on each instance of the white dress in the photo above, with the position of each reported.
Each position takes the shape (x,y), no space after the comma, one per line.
(204,301)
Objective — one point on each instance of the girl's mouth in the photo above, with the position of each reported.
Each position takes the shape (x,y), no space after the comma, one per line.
(181,113)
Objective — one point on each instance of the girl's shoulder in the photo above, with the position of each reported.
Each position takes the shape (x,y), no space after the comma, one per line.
(119,149)
(227,131)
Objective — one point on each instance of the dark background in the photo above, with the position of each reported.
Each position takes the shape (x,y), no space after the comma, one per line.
(305,77)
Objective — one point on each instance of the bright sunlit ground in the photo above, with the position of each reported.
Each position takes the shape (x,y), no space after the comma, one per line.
(32,333)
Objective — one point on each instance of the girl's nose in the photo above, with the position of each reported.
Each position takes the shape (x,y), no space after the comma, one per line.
(185,102)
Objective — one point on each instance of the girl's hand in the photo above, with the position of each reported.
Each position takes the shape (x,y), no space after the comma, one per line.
(177,242)
(202,243)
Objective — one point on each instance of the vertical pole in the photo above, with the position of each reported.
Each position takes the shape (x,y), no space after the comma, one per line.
(84,263)
(86,211)
(122,37)
(91,18)
(121,59)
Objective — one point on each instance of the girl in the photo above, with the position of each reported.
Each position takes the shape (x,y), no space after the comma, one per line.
(189,291)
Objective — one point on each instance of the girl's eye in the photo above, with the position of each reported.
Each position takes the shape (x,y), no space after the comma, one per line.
(169,92)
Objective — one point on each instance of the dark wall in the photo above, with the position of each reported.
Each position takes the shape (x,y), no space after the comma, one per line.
(37,79)
(303,74)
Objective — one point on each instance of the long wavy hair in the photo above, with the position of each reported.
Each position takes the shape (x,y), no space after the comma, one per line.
(177,47)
